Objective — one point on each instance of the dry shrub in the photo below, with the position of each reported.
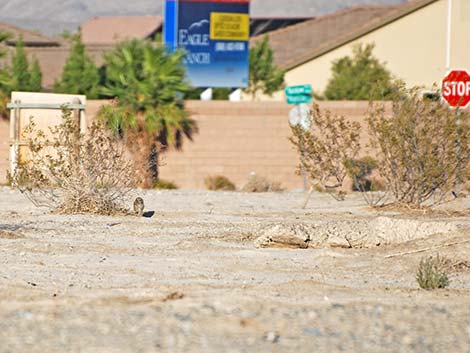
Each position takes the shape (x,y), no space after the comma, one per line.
(326,148)
(455,265)
(360,171)
(162,184)
(219,182)
(423,148)
(372,189)
(261,184)
(74,173)
(432,273)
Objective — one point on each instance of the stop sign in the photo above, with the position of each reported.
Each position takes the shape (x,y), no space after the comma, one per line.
(456,88)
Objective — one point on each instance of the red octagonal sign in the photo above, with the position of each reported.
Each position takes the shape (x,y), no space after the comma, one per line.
(456,88)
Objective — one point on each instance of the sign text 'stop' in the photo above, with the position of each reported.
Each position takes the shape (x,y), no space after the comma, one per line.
(456,88)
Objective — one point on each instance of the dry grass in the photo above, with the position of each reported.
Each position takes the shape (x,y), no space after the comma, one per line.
(422,211)
(219,183)
(162,184)
(432,272)
(173,296)
(6,234)
(455,265)
(261,184)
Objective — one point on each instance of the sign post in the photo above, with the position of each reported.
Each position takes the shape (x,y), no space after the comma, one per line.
(456,92)
(300,116)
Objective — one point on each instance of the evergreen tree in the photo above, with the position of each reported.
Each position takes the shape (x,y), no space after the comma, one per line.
(80,74)
(5,80)
(265,76)
(22,76)
(360,77)
(20,68)
(36,76)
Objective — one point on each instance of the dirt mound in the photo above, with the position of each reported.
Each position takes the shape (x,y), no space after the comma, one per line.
(6,234)
(351,234)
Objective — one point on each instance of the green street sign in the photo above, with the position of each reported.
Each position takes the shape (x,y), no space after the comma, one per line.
(298,99)
(301,89)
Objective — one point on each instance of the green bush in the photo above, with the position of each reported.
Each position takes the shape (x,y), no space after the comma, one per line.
(360,77)
(432,273)
(219,182)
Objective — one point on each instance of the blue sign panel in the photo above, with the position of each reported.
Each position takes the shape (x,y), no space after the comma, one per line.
(214,35)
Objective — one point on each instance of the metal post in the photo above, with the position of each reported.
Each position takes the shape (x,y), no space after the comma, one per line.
(459,181)
(302,151)
(449,34)
(76,120)
(77,113)
(15,137)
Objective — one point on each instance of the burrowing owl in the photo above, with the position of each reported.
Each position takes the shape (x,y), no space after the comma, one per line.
(139,206)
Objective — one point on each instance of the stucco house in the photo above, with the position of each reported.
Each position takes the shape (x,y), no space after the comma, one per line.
(419,41)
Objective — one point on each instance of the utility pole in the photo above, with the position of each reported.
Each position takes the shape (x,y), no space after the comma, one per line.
(449,34)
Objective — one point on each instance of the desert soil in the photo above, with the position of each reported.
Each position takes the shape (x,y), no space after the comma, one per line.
(190,279)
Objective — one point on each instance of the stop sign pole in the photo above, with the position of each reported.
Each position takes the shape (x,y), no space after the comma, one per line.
(456,88)
(456,92)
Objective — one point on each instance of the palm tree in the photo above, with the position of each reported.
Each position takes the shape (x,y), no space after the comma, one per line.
(148,83)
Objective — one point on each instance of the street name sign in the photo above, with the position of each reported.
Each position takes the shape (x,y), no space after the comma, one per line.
(298,94)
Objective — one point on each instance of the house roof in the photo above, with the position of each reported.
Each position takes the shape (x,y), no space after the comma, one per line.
(52,59)
(305,41)
(113,29)
(30,38)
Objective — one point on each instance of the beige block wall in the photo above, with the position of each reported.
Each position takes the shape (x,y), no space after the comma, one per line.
(234,140)
(4,149)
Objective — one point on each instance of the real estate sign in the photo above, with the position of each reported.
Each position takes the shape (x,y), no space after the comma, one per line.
(214,34)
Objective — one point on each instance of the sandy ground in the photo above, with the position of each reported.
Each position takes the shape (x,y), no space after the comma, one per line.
(189,279)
